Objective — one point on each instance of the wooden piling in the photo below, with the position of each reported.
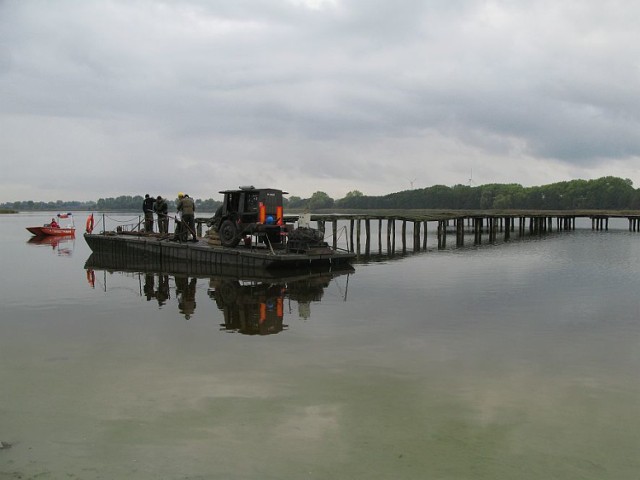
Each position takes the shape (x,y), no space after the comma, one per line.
(367,235)
(351,246)
(404,236)
(334,228)
(424,236)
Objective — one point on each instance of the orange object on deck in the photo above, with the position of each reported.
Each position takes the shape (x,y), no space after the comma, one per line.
(89,225)
(262,213)
(263,313)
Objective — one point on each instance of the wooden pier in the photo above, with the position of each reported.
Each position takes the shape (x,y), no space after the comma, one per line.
(346,230)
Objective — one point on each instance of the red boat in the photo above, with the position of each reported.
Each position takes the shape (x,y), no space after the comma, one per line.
(58,232)
(53,229)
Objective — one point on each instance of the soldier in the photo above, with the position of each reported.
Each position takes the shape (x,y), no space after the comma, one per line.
(187,208)
(162,209)
(147,208)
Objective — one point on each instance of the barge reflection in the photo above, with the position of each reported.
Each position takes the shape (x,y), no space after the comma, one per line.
(258,308)
(250,309)
(251,302)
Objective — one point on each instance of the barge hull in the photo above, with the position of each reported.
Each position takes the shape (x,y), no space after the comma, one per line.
(166,253)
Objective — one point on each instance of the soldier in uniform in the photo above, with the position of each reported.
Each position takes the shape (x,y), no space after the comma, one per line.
(162,209)
(147,208)
(187,208)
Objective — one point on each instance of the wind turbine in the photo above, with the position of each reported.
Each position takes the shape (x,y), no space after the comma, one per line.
(471,183)
(411,182)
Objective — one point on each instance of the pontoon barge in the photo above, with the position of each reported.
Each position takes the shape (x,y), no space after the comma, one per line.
(162,250)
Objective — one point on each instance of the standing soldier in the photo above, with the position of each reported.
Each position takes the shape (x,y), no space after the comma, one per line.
(147,208)
(187,207)
(162,209)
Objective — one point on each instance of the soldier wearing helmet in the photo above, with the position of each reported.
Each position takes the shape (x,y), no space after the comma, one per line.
(187,208)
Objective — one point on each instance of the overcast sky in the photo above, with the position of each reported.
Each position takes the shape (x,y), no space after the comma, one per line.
(127,97)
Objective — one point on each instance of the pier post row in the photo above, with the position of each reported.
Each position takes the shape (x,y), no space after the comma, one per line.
(483,226)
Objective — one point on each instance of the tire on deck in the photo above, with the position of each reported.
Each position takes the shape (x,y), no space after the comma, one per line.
(228,234)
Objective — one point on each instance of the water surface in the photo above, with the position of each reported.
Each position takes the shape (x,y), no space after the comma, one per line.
(517,360)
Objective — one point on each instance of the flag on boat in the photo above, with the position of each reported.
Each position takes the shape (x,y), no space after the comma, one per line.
(64,215)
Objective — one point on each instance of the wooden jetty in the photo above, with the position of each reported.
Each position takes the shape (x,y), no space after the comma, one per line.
(482,225)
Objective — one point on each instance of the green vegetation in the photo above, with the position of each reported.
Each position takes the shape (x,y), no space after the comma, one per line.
(59,206)
(6,210)
(606,193)
(123,203)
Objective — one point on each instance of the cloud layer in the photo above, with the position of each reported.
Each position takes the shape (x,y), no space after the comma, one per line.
(127,97)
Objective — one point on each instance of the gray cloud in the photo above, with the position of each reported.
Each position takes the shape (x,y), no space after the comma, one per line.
(333,95)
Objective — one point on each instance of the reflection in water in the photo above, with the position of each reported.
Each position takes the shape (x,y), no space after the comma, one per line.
(254,303)
(257,308)
(186,295)
(149,286)
(252,309)
(161,294)
(62,245)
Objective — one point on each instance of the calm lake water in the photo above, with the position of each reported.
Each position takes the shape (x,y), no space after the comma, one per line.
(508,361)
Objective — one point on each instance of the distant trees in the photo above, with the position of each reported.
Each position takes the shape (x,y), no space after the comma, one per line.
(208,205)
(351,197)
(606,193)
(127,203)
(124,203)
(320,200)
(295,202)
(58,205)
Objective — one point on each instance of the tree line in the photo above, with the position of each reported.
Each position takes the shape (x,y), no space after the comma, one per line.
(124,203)
(606,193)
(128,203)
